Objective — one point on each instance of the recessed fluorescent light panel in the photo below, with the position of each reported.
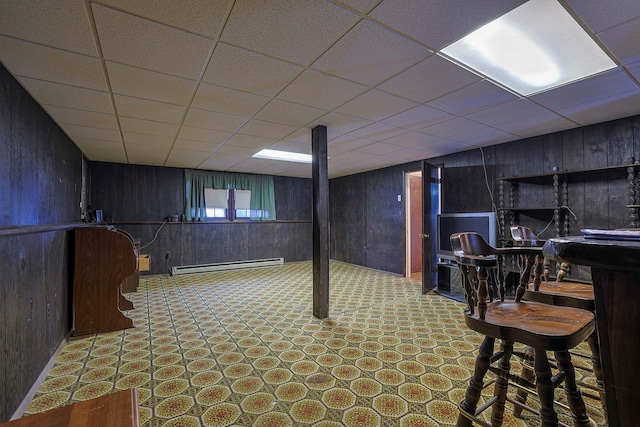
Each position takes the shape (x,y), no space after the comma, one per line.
(533,48)
(283,155)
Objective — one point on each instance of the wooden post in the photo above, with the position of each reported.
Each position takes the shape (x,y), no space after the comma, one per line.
(320,222)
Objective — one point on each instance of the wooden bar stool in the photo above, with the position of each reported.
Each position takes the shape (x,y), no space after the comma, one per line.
(560,292)
(540,326)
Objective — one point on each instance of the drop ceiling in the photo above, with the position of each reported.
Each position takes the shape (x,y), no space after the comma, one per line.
(206,84)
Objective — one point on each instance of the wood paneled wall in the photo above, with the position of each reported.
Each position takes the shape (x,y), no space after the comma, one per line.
(39,187)
(367,223)
(139,197)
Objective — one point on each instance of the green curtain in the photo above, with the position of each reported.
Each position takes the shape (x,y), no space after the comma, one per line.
(263,204)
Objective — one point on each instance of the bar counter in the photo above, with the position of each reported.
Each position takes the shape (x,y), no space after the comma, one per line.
(615,269)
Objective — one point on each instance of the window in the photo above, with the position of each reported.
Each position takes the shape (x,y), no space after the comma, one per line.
(227,204)
(217,202)
(250,197)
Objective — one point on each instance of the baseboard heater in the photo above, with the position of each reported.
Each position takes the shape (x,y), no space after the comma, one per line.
(221,266)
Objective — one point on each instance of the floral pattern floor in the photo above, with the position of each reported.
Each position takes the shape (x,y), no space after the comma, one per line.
(241,348)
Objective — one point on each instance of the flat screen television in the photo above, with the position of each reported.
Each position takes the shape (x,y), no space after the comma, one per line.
(483,223)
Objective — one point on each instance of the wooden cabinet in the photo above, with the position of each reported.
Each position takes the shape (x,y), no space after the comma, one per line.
(104,258)
(510,209)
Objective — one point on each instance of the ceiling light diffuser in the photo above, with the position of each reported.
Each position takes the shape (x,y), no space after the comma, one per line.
(533,48)
(283,155)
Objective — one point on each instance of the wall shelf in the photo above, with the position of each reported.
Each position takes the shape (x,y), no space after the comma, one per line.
(508,188)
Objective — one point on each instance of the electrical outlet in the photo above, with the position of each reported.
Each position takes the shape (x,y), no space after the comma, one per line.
(168,255)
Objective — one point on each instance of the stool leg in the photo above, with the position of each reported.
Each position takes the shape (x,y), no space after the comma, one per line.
(594,345)
(502,384)
(527,374)
(476,382)
(545,388)
(574,397)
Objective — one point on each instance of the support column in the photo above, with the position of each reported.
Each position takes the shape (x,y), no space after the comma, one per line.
(320,222)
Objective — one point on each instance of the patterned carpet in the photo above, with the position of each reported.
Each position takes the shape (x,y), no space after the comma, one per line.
(241,348)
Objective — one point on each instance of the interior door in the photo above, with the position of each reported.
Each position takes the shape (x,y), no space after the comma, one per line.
(430,197)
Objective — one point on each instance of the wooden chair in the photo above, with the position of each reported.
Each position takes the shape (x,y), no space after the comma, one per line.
(560,292)
(540,326)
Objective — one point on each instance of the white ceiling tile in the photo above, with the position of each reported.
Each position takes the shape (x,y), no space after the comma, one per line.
(249,141)
(149,127)
(379,148)
(583,91)
(320,90)
(48,93)
(292,146)
(253,165)
(141,151)
(463,130)
(135,82)
(479,95)
(362,6)
(212,120)
(75,131)
(378,132)
(600,15)
(202,134)
(457,129)
(375,105)
(289,113)
(229,101)
(200,17)
(433,77)
(417,117)
(178,161)
(412,140)
(81,117)
(237,150)
(623,41)
(344,144)
(184,145)
(634,70)
(105,155)
(617,106)
(538,124)
(247,71)
(437,23)
(53,65)
(150,141)
(348,157)
(338,123)
(64,26)
(221,162)
(84,142)
(279,168)
(138,108)
(157,47)
(266,129)
(507,112)
(370,54)
(292,30)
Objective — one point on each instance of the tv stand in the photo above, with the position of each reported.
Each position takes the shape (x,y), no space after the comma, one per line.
(450,281)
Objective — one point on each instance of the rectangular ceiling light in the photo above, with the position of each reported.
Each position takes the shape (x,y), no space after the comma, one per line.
(533,48)
(283,155)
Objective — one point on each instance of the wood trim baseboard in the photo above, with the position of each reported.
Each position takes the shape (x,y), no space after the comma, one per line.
(41,378)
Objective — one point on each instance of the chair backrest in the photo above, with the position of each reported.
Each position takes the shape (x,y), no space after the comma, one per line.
(524,236)
(474,256)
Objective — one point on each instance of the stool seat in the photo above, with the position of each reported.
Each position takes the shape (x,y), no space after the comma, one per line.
(567,294)
(534,324)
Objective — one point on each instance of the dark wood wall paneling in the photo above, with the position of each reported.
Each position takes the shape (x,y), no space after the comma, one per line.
(367,221)
(39,186)
(140,197)
(598,200)
(368,231)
